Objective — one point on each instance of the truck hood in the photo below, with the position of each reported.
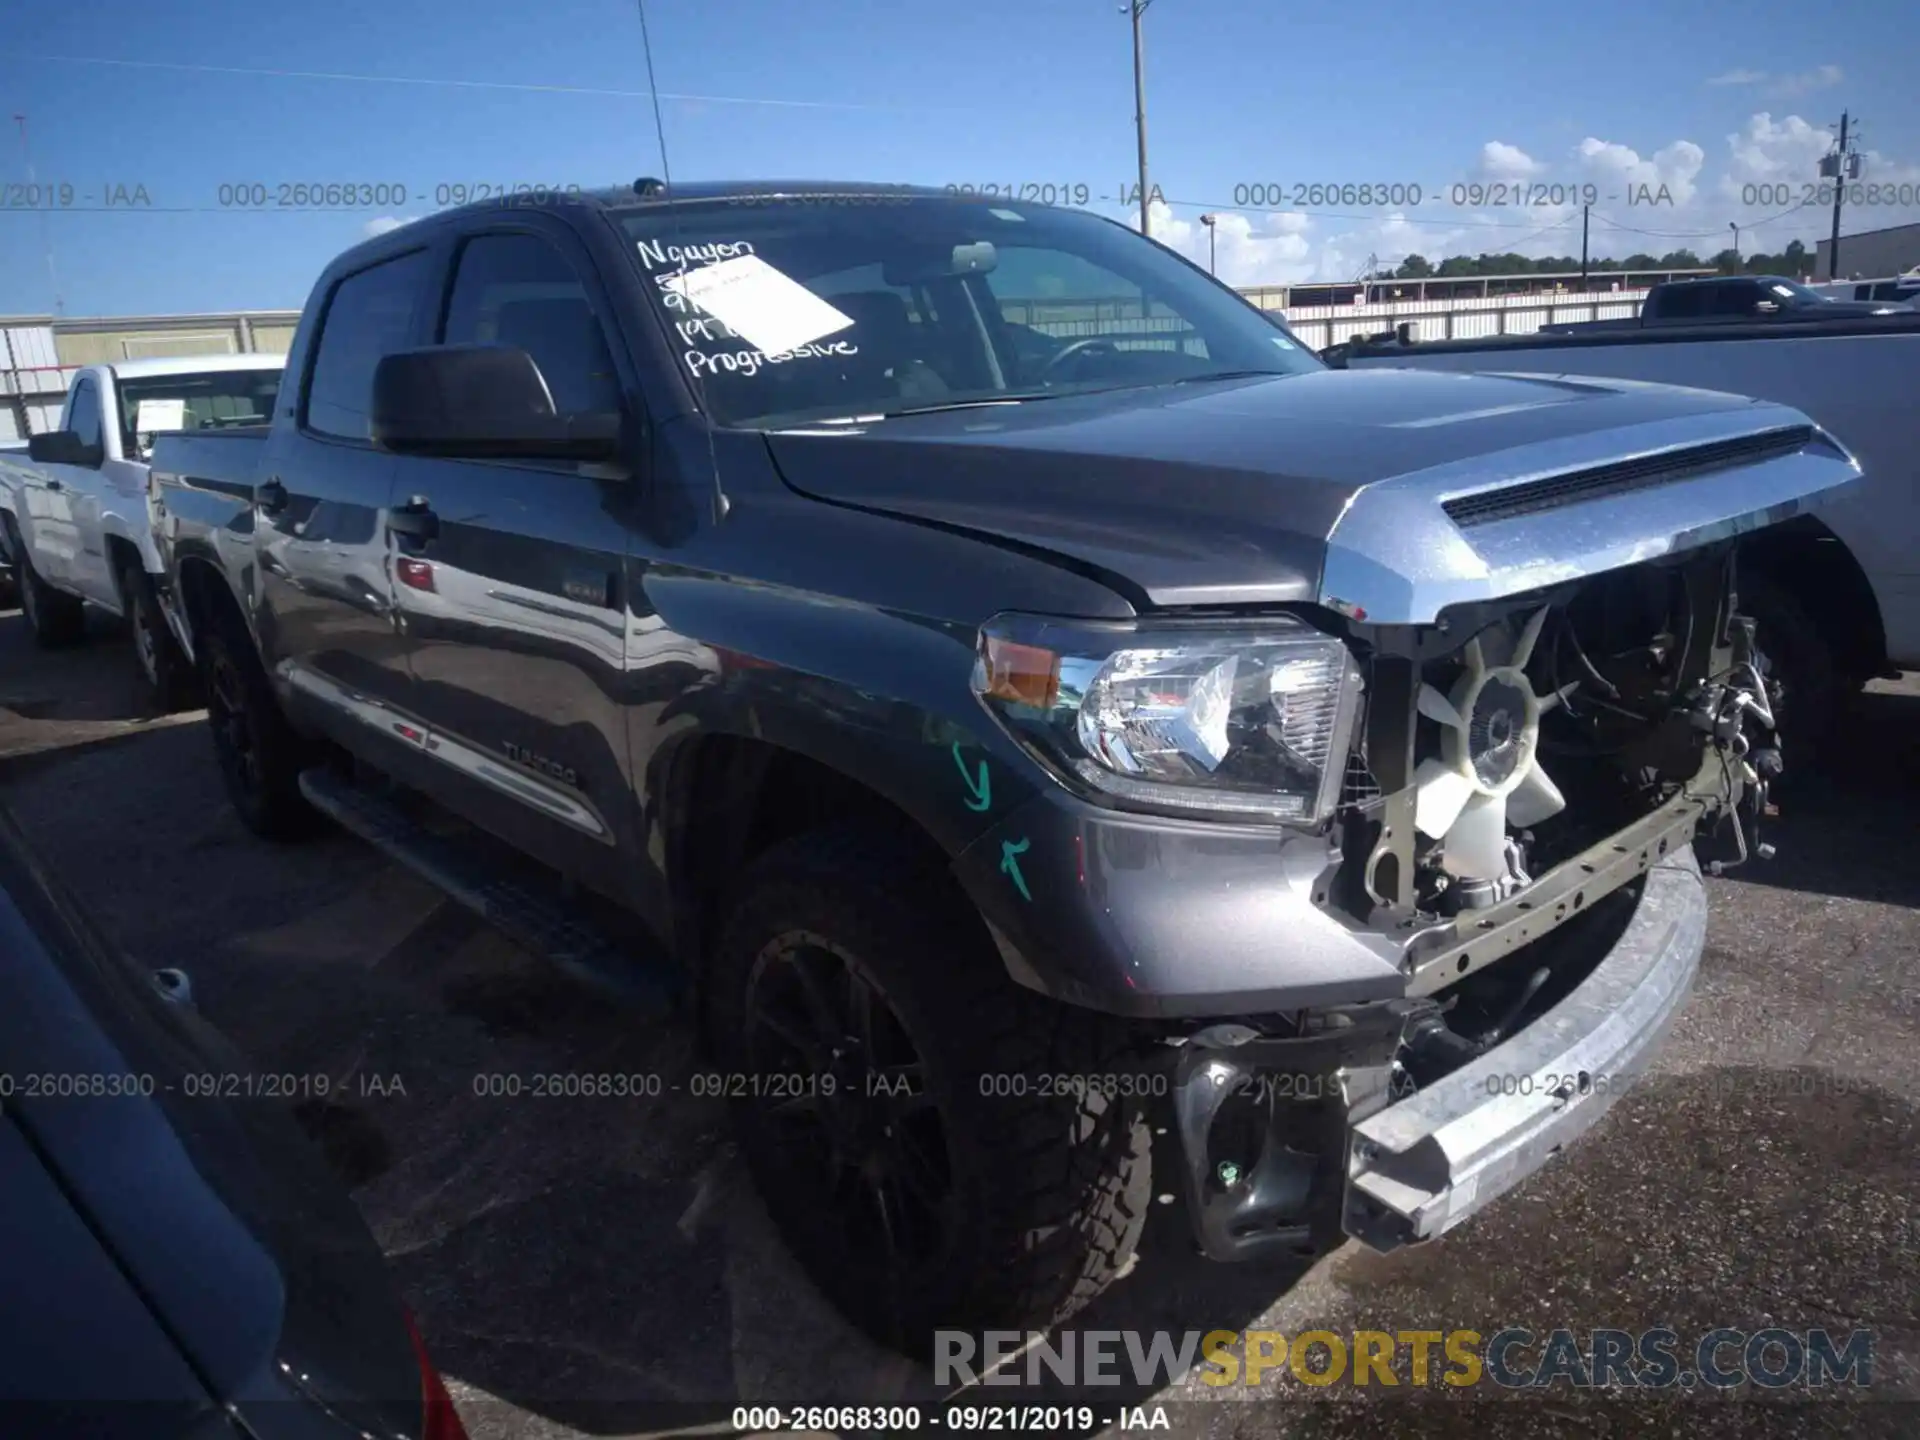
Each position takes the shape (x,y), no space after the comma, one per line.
(1328,487)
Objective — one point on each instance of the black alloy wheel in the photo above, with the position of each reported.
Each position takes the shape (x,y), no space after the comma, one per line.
(842,1094)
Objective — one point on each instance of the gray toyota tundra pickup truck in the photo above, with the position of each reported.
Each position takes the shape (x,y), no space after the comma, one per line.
(1039,712)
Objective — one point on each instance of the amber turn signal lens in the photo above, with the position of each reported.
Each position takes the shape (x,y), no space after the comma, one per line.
(1022,674)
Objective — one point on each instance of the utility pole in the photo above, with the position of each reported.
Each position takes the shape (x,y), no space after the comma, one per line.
(1734,225)
(1137,8)
(1210,221)
(1840,166)
(1585,211)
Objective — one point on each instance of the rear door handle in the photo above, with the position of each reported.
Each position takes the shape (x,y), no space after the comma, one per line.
(271,496)
(415,520)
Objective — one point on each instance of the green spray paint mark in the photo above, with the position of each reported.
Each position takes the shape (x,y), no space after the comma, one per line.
(1010,853)
(980,790)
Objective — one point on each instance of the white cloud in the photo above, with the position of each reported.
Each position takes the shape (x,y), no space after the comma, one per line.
(1501,161)
(1264,249)
(1738,77)
(381,224)
(1273,248)
(1766,151)
(1806,81)
(1785,154)
(1676,166)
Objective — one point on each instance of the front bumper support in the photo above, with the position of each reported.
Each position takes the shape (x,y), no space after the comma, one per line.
(1348,1144)
(1303,1091)
(1417,1168)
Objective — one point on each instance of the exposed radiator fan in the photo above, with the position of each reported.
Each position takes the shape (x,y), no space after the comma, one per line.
(1487,775)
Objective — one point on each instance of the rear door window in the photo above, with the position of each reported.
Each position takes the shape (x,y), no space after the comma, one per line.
(1680,300)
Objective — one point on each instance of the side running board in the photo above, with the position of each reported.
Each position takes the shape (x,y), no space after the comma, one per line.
(536,923)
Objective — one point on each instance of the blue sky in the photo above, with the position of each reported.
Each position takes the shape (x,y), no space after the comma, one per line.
(1707,100)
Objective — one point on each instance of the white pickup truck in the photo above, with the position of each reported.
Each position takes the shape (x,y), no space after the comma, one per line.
(1838,596)
(12,452)
(73,509)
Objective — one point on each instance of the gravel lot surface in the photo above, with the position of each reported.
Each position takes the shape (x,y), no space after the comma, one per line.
(582,1265)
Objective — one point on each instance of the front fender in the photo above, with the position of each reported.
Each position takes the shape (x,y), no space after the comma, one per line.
(117,524)
(879,697)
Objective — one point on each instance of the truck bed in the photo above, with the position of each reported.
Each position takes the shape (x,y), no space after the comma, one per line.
(220,462)
(201,495)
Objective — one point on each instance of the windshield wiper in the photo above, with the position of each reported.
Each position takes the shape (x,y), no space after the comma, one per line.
(1009,399)
(1229,375)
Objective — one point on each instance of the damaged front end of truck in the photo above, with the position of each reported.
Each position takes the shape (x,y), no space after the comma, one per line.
(1548,697)
(1527,779)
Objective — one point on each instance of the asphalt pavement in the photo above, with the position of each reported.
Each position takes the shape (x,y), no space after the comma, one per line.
(600,1265)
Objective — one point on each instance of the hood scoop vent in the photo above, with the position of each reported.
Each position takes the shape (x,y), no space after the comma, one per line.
(1577,487)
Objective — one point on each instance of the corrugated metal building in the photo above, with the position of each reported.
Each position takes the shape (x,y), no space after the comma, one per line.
(38,353)
(1872,253)
(32,385)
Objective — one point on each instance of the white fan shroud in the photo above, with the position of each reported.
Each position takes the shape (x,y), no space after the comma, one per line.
(1456,802)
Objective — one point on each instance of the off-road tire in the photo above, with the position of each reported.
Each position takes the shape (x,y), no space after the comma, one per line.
(1814,694)
(259,754)
(1050,1188)
(56,619)
(157,660)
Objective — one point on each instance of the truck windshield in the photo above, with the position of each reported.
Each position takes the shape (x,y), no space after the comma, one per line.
(1789,292)
(825,307)
(214,400)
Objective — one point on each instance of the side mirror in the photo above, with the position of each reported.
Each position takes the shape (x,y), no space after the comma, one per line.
(64,447)
(1765,307)
(480,402)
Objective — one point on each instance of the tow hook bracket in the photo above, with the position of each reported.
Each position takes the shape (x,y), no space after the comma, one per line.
(1306,1092)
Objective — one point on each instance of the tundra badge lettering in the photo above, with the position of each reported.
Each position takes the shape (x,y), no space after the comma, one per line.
(521,755)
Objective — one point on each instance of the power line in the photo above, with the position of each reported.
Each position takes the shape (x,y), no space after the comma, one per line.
(1698,234)
(455,84)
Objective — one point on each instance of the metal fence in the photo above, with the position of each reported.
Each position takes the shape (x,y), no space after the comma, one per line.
(1325,325)
(1322,325)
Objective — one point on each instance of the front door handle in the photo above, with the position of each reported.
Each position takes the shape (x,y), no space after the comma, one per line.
(53,484)
(414,520)
(271,496)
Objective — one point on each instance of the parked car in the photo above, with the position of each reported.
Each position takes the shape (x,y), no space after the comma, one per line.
(1899,289)
(1100,716)
(1838,595)
(75,515)
(178,1259)
(1736,299)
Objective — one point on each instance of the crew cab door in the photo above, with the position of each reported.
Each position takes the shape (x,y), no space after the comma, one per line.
(327,628)
(509,572)
(50,525)
(90,566)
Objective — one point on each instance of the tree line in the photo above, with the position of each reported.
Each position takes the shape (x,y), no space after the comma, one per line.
(1795,261)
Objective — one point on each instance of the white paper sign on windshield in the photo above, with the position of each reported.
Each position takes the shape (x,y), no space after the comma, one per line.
(151,417)
(772,312)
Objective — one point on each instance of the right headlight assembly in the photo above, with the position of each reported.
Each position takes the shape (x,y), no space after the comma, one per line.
(1237,720)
